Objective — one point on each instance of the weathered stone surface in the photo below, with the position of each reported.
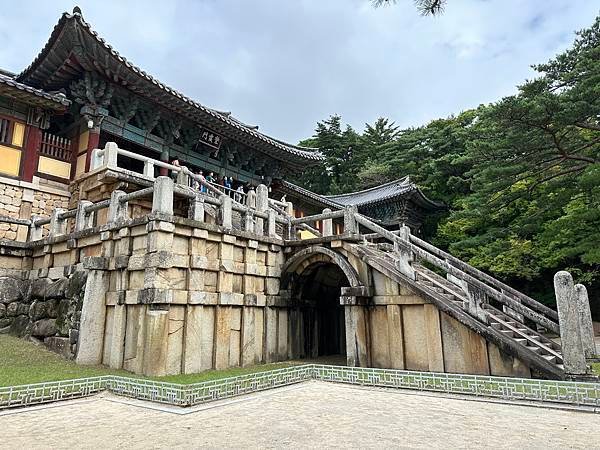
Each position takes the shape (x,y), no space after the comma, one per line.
(415,340)
(20,326)
(568,318)
(585,321)
(10,290)
(17,309)
(60,345)
(44,328)
(199,338)
(464,350)
(89,350)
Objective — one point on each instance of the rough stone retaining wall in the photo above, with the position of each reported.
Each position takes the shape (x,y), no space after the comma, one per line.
(22,202)
(44,309)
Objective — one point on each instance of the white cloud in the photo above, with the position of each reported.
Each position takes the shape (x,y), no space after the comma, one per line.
(285,65)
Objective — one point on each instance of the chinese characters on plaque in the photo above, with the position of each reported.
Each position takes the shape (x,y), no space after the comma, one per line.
(211,139)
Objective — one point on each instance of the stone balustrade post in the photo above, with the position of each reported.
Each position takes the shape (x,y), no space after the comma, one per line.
(83,220)
(350,225)
(404,256)
(585,321)
(183,176)
(327,224)
(111,154)
(289,209)
(568,320)
(248,221)
(58,226)
(97,159)
(117,210)
(251,199)
(162,199)
(149,169)
(271,224)
(226,212)
(196,209)
(35,232)
(262,205)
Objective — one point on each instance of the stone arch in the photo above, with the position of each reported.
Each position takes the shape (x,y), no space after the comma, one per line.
(314,254)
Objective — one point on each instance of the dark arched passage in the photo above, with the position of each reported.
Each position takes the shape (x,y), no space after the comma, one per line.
(313,279)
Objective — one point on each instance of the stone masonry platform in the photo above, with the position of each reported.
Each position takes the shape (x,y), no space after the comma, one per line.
(312,414)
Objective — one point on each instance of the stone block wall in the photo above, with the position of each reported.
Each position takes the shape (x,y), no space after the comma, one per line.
(23,200)
(404,330)
(168,295)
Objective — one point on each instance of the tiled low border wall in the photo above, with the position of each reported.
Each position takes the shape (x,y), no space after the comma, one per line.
(511,389)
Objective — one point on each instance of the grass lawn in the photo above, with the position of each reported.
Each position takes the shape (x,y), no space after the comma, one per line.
(596,368)
(23,362)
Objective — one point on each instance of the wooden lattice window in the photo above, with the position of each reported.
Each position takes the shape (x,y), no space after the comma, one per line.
(56,147)
(6,127)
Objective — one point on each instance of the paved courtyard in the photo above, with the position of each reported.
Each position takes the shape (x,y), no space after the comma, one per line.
(312,414)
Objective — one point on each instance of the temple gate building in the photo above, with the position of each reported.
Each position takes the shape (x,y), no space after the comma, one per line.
(115,250)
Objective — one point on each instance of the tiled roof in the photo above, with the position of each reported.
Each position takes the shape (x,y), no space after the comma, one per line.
(377,194)
(305,153)
(8,83)
(374,194)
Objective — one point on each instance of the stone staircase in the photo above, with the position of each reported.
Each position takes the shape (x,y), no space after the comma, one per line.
(482,314)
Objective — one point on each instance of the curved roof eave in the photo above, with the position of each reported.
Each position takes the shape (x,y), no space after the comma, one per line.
(373,195)
(302,155)
(48,99)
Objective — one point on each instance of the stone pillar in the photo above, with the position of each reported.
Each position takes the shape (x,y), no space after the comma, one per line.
(405,257)
(568,319)
(183,177)
(117,210)
(357,345)
(93,314)
(350,225)
(289,209)
(58,226)
(251,199)
(248,221)
(196,209)
(111,153)
(162,199)
(262,205)
(156,343)
(327,224)
(83,220)
(149,169)
(271,224)
(35,232)
(226,212)
(585,321)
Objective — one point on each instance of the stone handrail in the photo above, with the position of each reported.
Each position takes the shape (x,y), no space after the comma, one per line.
(506,289)
(473,277)
(15,221)
(108,157)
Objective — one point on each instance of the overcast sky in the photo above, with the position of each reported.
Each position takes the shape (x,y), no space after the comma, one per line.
(285,64)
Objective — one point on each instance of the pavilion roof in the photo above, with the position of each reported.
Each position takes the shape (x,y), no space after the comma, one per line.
(400,188)
(10,87)
(74,46)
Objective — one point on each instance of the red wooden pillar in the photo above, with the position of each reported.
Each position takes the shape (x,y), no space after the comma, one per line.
(93,141)
(33,139)
(164,157)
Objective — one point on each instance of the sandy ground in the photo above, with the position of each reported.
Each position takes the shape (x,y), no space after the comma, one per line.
(312,414)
